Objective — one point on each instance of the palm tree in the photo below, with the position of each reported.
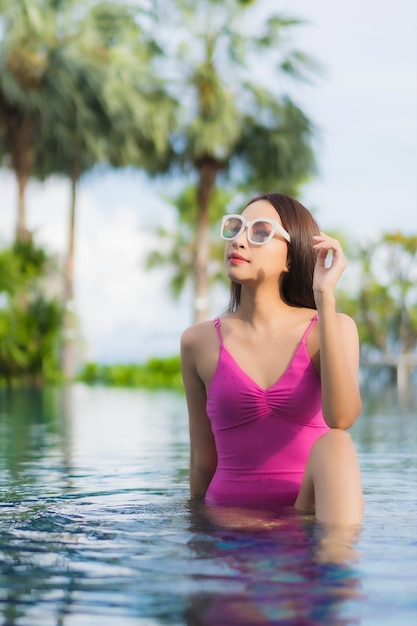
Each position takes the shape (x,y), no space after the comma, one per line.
(106,91)
(22,65)
(95,99)
(251,134)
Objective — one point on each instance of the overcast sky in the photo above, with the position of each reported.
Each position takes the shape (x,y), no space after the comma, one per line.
(366,110)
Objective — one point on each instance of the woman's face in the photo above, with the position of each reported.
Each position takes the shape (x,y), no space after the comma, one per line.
(247,262)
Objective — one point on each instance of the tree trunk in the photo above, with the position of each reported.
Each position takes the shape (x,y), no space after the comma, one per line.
(68,348)
(19,137)
(208,170)
(22,233)
(69,262)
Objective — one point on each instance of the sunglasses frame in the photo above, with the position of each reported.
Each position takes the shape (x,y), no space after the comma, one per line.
(277,228)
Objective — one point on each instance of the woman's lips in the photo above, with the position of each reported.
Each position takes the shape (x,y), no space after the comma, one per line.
(237,258)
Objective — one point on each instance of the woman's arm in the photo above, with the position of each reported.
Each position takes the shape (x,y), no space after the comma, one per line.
(339,344)
(203,456)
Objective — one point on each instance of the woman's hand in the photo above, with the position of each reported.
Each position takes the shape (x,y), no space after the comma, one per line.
(327,273)
(339,344)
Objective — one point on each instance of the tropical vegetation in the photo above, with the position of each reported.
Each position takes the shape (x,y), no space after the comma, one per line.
(31,320)
(234,126)
(154,374)
(97,85)
(77,88)
(179,247)
(383,300)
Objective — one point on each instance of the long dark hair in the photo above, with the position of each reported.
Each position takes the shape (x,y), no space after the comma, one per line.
(297,283)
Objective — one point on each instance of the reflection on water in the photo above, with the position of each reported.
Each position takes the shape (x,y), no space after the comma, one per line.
(96,527)
(282,572)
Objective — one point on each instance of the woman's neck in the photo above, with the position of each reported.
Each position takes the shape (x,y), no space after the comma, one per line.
(262,309)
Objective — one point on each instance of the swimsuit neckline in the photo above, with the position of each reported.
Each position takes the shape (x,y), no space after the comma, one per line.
(279,379)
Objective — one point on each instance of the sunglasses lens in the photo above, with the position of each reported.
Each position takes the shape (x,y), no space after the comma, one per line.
(232,227)
(260,231)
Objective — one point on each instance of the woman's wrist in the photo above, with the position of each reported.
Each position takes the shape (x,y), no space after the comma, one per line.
(324,300)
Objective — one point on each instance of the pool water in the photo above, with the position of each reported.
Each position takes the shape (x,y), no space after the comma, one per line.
(96,528)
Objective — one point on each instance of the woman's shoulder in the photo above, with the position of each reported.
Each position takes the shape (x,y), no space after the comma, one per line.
(343,318)
(347,324)
(196,334)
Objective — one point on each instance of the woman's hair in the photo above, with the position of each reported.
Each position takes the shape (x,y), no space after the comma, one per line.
(297,283)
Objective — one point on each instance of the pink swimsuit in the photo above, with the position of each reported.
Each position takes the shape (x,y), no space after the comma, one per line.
(263,436)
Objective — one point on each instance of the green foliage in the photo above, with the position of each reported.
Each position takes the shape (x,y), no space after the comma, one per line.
(78,87)
(99,82)
(234,126)
(20,266)
(30,323)
(154,374)
(232,119)
(384,300)
(178,249)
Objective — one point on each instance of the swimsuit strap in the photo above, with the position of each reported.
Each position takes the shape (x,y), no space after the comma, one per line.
(217,324)
(308,329)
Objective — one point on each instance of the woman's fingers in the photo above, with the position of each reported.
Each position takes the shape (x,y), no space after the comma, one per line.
(324,244)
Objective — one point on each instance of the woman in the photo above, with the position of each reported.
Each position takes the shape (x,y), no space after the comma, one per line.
(272,386)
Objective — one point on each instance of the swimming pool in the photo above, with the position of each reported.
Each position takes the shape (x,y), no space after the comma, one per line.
(96,529)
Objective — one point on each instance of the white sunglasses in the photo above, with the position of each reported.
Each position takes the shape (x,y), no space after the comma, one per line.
(260,230)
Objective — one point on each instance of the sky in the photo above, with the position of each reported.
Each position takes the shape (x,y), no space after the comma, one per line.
(365,109)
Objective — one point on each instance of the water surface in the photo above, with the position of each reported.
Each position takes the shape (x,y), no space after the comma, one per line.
(96,528)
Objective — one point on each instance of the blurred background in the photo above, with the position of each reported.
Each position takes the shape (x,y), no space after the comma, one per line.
(127,129)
